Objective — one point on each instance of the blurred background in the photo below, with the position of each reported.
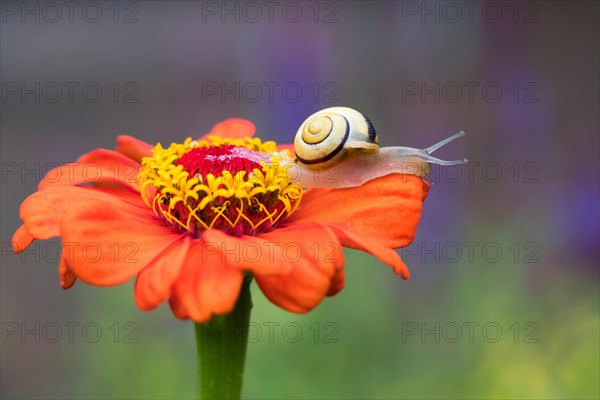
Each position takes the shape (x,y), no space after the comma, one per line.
(503,301)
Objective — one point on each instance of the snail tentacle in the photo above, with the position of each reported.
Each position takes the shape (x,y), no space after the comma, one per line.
(338,148)
(444,142)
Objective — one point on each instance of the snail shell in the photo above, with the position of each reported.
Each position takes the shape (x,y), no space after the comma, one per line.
(337,148)
(325,137)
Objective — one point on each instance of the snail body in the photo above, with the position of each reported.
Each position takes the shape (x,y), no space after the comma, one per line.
(338,148)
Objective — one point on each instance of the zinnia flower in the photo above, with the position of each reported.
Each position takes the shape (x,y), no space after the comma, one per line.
(192,219)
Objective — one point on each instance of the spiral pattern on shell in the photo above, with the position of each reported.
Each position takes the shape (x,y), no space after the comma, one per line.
(330,133)
(321,137)
(317,130)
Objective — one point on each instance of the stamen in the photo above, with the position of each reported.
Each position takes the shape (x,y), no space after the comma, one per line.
(233,185)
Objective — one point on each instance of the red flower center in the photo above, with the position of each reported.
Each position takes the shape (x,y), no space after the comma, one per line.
(231,185)
(214,160)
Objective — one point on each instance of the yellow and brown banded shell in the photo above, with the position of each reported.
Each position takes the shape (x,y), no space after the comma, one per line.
(328,134)
(344,139)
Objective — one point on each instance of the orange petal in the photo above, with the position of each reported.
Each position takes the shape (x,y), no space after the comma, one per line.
(359,242)
(153,284)
(337,283)
(67,276)
(386,209)
(289,147)
(41,212)
(100,165)
(234,128)
(21,239)
(133,148)
(123,193)
(256,254)
(206,286)
(108,242)
(316,257)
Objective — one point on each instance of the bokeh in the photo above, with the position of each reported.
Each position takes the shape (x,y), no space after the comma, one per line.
(503,300)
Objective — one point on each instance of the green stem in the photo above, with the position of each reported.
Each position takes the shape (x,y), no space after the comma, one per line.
(221,345)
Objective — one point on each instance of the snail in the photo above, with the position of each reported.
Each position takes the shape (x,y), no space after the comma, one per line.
(338,147)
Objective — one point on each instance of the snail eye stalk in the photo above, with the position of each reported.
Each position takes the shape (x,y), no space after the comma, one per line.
(341,143)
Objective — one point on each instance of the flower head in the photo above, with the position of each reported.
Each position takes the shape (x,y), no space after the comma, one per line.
(189,220)
(230,185)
